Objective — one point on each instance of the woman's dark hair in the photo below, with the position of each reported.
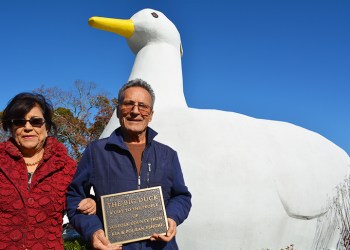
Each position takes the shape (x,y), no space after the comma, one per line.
(21,104)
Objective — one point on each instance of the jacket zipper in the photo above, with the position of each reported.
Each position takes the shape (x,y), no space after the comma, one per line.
(148,174)
(139,182)
(148,177)
(139,176)
(148,171)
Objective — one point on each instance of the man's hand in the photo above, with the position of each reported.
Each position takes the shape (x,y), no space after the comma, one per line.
(169,234)
(87,206)
(100,242)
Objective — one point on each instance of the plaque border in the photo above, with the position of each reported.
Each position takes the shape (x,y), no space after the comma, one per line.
(128,192)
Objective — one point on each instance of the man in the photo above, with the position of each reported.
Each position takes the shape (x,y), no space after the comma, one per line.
(127,160)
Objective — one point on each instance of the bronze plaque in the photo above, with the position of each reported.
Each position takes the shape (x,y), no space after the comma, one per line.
(134,216)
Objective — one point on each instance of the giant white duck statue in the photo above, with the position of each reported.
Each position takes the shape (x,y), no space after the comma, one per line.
(256,184)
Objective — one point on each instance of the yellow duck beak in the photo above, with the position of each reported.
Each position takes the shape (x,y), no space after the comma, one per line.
(121,27)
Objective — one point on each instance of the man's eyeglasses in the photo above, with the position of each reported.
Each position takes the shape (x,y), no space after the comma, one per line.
(127,106)
(34,121)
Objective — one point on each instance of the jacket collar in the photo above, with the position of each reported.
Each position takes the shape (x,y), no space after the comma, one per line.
(56,153)
(52,148)
(116,138)
(17,171)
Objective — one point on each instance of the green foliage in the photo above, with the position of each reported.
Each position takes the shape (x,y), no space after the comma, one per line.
(75,244)
(63,112)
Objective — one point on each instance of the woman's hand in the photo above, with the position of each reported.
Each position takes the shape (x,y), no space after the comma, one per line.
(87,206)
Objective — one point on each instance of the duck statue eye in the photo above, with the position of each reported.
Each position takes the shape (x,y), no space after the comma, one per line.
(155,15)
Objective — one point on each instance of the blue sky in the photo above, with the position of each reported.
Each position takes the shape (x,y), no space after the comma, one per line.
(278,60)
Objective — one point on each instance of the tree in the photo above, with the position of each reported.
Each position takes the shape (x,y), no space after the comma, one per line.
(80,115)
(3,134)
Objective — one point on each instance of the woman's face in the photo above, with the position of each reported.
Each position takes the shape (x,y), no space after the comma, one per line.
(29,138)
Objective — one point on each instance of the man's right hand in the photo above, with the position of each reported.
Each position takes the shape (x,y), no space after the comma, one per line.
(100,242)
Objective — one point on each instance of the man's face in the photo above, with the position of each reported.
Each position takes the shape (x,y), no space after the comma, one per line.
(135,112)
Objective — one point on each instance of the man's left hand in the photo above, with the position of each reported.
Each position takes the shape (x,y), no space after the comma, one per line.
(169,234)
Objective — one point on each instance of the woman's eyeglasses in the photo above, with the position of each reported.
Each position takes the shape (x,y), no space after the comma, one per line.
(34,121)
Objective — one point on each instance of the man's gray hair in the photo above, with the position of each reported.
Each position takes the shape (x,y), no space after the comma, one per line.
(136,83)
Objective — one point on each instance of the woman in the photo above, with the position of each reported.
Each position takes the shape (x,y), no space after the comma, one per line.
(35,172)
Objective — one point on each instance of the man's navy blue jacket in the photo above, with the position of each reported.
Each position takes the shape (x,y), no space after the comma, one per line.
(108,167)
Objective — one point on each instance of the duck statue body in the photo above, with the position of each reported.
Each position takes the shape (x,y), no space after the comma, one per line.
(256,184)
